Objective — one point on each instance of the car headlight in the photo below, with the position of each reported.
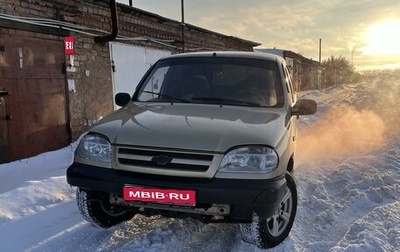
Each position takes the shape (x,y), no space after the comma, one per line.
(95,148)
(251,159)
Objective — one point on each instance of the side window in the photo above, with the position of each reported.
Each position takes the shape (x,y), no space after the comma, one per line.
(289,84)
(153,84)
(286,78)
(158,79)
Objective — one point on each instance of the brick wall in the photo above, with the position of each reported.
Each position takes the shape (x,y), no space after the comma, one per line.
(91,73)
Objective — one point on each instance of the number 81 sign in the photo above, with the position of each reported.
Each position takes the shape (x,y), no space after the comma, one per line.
(69,45)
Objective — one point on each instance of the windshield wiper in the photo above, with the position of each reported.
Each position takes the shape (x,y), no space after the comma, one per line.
(170,97)
(225,101)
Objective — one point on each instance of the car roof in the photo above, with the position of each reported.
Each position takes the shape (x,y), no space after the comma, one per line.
(233,54)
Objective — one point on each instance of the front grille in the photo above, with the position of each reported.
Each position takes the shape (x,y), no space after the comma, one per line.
(164,159)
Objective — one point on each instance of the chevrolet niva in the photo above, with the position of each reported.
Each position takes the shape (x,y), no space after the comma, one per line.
(207,135)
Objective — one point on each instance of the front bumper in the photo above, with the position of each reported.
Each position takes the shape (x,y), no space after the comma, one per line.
(243,195)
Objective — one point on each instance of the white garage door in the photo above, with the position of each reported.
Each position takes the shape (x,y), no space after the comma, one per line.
(131,63)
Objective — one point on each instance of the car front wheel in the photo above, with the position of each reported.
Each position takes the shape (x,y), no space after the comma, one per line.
(96,209)
(268,233)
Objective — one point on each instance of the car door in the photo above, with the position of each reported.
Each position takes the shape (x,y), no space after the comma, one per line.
(292,99)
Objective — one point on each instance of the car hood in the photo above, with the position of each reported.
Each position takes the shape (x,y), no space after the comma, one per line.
(192,126)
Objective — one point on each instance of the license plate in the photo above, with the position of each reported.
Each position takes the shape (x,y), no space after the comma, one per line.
(162,196)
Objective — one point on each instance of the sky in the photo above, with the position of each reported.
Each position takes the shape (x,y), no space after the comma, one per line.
(366,32)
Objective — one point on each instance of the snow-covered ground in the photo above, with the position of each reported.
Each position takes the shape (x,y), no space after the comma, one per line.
(347,172)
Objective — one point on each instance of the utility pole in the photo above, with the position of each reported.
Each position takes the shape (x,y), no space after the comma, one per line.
(319,51)
(183,25)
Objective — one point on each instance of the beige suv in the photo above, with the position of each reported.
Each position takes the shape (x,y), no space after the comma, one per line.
(207,135)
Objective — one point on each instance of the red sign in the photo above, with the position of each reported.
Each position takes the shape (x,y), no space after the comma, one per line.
(163,196)
(69,45)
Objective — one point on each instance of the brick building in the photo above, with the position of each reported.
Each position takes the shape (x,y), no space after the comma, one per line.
(306,73)
(52,97)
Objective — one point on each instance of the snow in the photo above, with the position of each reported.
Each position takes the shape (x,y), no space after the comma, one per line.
(347,173)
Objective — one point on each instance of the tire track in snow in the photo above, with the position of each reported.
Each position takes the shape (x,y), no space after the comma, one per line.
(186,235)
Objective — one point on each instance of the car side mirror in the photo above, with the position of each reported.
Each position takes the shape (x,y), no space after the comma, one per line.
(121,99)
(304,107)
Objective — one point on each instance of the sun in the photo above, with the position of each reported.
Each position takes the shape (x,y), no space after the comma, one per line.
(383,38)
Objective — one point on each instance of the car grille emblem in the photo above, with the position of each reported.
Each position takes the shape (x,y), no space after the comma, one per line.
(162,160)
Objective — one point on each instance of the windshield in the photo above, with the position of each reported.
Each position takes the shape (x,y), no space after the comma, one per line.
(216,80)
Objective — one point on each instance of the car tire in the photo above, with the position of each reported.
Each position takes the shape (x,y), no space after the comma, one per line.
(96,209)
(268,233)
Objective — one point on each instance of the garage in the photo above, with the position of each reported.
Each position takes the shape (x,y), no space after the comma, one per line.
(51,98)
(34,111)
